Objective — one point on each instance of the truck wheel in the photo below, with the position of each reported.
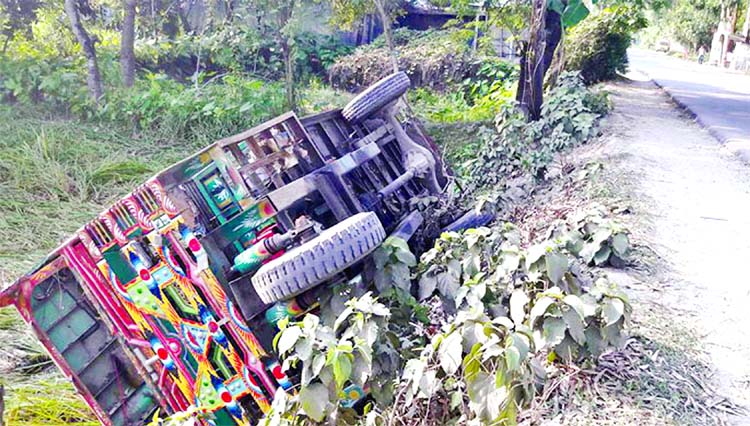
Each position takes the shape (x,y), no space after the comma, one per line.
(319,259)
(376,97)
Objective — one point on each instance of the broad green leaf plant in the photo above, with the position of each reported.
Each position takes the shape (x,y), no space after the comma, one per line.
(329,359)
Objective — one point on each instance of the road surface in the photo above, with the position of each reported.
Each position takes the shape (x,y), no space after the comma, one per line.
(719,99)
(690,200)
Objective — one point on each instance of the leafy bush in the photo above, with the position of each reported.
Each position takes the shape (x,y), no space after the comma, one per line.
(479,97)
(598,45)
(45,65)
(499,316)
(239,49)
(493,75)
(453,107)
(569,117)
(317,52)
(332,358)
(595,238)
(219,107)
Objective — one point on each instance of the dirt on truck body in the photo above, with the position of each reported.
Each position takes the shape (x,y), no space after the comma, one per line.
(168,300)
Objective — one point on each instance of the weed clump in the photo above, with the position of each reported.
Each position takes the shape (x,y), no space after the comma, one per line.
(433,59)
(569,117)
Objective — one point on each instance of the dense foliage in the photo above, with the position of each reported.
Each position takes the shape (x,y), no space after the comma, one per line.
(477,98)
(499,316)
(222,78)
(45,70)
(431,58)
(693,22)
(598,46)
(569,117)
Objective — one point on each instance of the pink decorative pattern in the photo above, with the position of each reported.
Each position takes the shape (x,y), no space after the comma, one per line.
(113,228)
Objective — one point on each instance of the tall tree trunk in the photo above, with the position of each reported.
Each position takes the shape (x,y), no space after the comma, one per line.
(545,32)
(2,404)
(286,40)
(529,94)
(94,78)
(553,33)
(386,21)
(127,41)
(291,96)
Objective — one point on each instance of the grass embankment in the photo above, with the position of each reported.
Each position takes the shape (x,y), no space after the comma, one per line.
(55,175)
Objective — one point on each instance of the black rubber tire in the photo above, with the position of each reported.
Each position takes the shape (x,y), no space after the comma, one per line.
(319,259)
(376,97)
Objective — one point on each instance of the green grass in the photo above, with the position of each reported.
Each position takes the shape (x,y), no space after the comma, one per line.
(54,176)
(48,400)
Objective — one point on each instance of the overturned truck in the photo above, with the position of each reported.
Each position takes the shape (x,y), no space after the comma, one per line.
(168,300)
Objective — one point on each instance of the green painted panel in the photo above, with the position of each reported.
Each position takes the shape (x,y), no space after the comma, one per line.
(70,328)
(53,308)
(120,266)
(224,418)
(175,296)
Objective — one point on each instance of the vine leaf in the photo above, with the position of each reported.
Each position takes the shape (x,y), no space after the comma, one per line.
(557,265)
(512,358)
(576,303)
(575,12)
(554,331)
(288,338)
(314,398)
(612,311)
(342,369)
(427,285)
(620,244)
(540,308)
(450,353)
(602,255)
(518,301)
(575,325)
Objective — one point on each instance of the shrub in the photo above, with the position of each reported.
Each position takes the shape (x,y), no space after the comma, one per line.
(598,46)
(498,316)
(568,118)
(214,109)
(492,75)
(434,59)
(45,65)
(238,49)
(479,97)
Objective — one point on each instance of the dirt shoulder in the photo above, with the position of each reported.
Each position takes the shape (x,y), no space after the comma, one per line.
(685,200)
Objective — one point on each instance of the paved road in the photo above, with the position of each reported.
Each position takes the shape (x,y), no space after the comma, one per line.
(719,99)
(690,200)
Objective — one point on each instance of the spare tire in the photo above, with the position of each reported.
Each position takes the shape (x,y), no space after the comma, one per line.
(319,259)
(376,97)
